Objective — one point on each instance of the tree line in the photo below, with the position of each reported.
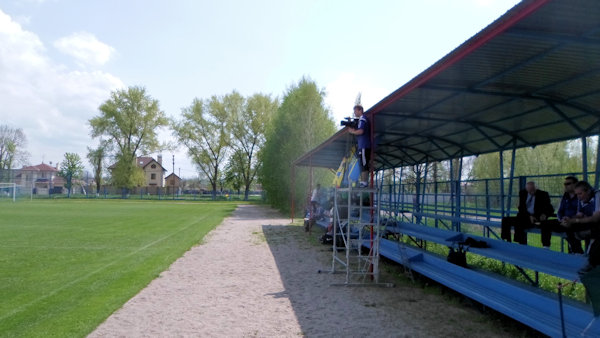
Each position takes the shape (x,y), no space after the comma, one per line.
(232,140)
(237,141)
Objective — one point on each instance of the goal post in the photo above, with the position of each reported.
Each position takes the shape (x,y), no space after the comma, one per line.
(8,190)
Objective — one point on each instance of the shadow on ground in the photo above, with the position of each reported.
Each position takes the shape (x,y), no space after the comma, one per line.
(405,310)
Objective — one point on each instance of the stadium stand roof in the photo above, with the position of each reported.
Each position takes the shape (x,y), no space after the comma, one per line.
(531,77)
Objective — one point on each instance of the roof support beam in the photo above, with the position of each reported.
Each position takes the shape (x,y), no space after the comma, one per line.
(527,96)
(384,160)
(593,127)
(401,149)
(564,117)
(491,139)
(395,148)
(562,42)
(470,124)
(580,76)
(431,138)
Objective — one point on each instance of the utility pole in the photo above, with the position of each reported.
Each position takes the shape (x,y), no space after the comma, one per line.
(173,185)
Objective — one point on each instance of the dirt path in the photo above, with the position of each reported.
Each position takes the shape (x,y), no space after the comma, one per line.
(256,276)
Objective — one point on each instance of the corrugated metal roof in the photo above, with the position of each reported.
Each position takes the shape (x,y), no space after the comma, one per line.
(531,77)
(329,153)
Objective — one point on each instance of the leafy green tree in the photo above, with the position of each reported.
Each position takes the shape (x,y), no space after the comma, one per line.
(96,158)
(129,120)
(203,130)
(248,125)
(127,174)
(12,147)
(70,168)
(553,158)
(301,123)
(233,175)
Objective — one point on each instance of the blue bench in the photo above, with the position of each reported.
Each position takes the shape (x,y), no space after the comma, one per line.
(468,220)
(487,225)
(531,306)
(541,260)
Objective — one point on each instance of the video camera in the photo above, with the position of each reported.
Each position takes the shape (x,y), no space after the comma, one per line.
(350,122)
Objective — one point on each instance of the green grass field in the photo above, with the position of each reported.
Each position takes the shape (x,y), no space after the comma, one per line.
(67,265)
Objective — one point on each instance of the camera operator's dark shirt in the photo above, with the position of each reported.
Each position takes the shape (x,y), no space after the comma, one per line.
(364,140)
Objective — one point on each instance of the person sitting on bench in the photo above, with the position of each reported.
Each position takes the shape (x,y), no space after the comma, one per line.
(534,206)
(566,209)
(315,198)
(586,220)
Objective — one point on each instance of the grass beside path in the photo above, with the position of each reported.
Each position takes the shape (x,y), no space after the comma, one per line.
(67,265)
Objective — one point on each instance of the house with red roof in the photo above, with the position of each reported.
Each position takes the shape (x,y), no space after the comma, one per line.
(154,172)
(41,178)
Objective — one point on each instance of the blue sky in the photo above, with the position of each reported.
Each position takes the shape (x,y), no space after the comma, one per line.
(60,59)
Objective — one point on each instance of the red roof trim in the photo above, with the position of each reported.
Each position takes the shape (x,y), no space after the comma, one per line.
(471,45)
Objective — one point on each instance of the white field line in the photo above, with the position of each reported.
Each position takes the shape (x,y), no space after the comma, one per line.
(25,306)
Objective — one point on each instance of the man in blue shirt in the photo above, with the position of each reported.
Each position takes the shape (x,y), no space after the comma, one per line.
(566,209)
(363,133)
(586,220)
(586,223)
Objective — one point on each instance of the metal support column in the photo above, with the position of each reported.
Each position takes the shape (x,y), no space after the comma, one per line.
(584,160)
(597,172)
(502,210)
(511,178)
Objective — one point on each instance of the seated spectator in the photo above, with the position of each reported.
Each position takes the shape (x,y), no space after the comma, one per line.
(534,206)
(585,224)
(566,209)
(315,197)
(581,225)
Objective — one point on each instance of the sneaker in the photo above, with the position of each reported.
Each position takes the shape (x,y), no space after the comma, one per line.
(363,184)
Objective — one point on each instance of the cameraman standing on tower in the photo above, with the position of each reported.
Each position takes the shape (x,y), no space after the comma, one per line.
(363,133)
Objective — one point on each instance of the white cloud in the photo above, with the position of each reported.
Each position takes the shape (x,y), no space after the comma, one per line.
(49,101)
(85,48)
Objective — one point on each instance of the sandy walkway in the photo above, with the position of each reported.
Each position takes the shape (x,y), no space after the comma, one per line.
(255,276)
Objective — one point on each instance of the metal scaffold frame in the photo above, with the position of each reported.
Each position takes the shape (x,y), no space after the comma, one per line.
(356,225)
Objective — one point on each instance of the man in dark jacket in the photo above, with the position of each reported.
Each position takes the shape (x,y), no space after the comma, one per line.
(568,208)
(534,207)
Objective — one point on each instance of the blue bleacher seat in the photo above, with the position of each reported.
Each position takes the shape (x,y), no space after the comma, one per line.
(534,307)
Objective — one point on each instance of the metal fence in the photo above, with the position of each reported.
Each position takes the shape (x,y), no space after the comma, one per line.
(44,186)
(483,199)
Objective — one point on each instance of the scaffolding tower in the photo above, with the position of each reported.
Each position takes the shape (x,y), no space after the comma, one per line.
(356,229)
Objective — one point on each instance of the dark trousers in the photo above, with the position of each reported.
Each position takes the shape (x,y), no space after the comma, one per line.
(521,222)
(548,227)
(574,242)
(553,225)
